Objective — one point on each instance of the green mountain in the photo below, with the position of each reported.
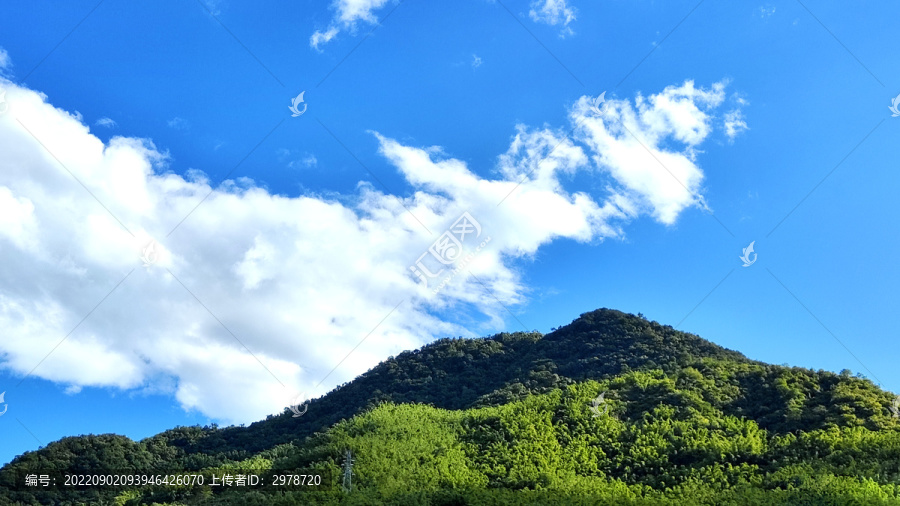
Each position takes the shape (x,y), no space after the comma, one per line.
(610,409)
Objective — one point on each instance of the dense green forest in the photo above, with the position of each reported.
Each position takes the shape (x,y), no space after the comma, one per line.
(611,409)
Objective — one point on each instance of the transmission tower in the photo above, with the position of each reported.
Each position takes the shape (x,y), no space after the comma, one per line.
(348,471)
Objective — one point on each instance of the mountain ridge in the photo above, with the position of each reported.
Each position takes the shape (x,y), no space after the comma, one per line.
(502,358)
(649,371)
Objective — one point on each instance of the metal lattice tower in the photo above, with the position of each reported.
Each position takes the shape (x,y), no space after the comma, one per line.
(348,471)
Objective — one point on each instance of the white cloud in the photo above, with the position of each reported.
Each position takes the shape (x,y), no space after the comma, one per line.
(734,124)
(299,281)
(348,14)
(106,122)
(553,13)
(178,123)
(294,160)
(476,61)
(5,60)
(318,38)
(632,143)
(308,160)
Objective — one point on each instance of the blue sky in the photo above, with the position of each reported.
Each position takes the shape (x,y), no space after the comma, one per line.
(721,124)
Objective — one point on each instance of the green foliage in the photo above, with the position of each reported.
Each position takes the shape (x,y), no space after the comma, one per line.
(508,420)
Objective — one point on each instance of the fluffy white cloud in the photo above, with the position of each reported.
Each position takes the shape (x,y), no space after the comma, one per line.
(649,148)
(258,296)
(553,13)
(348,13)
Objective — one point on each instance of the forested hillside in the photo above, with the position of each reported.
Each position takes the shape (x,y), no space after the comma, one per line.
(611,409)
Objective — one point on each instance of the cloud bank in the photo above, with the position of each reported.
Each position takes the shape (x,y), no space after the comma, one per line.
(258,296)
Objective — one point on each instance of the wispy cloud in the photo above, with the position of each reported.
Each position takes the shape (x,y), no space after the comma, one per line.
(734,124)
(106,122)
(553,13)
(348,15)
(178,123)
(5,61)
(294,160)
(476,61)
(318,38)
(308,160)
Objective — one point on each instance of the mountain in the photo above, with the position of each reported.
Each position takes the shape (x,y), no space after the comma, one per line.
(610,409)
